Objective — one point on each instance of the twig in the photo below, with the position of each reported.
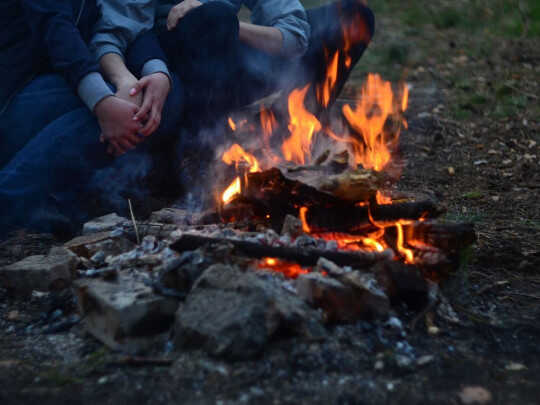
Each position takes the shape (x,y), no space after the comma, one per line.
(134,222)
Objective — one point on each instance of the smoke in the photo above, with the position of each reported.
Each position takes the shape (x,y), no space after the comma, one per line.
(124,179)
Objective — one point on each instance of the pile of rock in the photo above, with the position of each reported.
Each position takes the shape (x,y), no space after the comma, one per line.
(131,294)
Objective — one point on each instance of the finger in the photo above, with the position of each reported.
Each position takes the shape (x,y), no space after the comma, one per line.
(115,148)
(134,139)
(126,144)
(172,18)
(153,123)
(139,86)
(145,108)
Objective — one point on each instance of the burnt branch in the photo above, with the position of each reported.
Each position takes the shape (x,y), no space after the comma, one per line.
(304,257)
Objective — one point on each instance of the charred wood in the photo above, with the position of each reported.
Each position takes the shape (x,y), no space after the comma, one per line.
(304,257)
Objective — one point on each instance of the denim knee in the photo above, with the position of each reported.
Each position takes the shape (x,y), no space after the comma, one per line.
(357,13)
(213,24)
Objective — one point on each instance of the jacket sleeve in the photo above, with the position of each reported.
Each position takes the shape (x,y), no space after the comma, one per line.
(53,24)
(289,16)
(145,56)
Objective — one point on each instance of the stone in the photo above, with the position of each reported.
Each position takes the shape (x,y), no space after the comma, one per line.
(234,314)
(89,245)
(105,223)
(180,273)
(326,266)
(292,226)
(374,301)
(171,216)
(51,272)
(125,313)
(341,302)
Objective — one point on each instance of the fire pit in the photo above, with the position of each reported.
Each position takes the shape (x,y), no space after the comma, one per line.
(307,228)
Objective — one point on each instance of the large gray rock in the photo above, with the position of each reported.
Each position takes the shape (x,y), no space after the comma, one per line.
(124,313)
(40,272)
(233,314)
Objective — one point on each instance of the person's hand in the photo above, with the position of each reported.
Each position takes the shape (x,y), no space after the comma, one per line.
(155,88)
(123,90)
(118,127)
(179,11)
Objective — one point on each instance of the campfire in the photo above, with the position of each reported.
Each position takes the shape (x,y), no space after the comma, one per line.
(337,179)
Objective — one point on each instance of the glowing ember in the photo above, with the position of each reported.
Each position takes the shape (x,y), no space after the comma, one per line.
(382,199)
(290,270)
(373,244)
(297,148)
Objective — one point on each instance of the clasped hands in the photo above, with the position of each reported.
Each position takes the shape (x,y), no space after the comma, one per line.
(133,113)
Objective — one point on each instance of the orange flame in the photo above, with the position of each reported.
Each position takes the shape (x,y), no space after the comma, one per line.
(405,98)
(408,253)
(268,125)
(232,125)
(305,226)
(297,148)
(231,191)
(236,154)
(324,91)
(368,119)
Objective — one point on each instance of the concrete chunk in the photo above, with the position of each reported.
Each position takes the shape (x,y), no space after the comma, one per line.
(40,272)
(124,314)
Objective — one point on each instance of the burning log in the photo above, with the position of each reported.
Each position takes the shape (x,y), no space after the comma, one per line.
(304,257)
(444,236)
(272,193)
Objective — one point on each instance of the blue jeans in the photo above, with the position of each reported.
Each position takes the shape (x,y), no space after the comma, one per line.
(59,158)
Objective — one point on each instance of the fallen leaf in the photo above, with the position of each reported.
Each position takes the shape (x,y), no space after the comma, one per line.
(451,171)
(480,162)
(475,395)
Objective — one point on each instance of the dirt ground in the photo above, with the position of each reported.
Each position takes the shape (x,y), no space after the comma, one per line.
(473,144)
